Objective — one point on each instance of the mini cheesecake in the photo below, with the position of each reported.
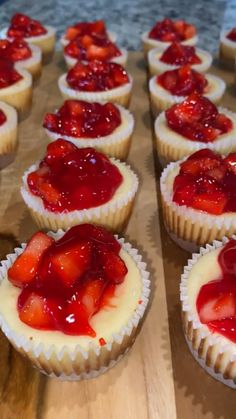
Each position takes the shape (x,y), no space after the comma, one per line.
(192,125)
(106,127)
(177,55)
(207,294)
(89,48)
(72,302)
(198,198)
(97,28)
(8,134)
(97,81)
(20,52)
(227,52)
(33,32)
(74,185)
(174,86)
(15,86)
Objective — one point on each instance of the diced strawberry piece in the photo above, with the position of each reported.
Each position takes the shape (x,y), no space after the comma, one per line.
(230,160)
(218,308)
(211,202)
(71,33)
(95,52)
(114,267)
(38,312)
(178,54)
(184,189)
(218,173)
(58,149)
(204,153)
(70,262)
(25,267)
(227,258)
(190,31)
(199,165)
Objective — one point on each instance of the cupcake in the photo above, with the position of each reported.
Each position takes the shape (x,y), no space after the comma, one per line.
(165,32)
(174,86)
(227,51)
(107,127)
(177,55)
(198,198)
(15,86)
(97,81)
(33,32)
(25,55)
(87,48)
(8,134)
(207,294)
(75,185)
(192,125)
(72,302)
(97,28)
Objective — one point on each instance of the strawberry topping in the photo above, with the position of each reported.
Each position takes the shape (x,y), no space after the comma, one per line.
(178,54)
(8,74)
(14,50)
(65,282)
(96,76)
(182,81)
(3,117)
(23,26)
(172,31)
(80,119)
(86,28)
(198,119)
(92,47)
(232,35)
(206,182)
(216,301)
(69,178)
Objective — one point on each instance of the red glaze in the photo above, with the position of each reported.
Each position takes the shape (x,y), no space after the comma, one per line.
(68,281)
(78,119)
(182,81)
(169,31)
(198,119)
(86,28)
(14,50)
(3,117)
(87,48)
(22,26)
(232,35)
(178,54)
(206,182)
(216,301)
(71,179)
(8,75)
(96,76)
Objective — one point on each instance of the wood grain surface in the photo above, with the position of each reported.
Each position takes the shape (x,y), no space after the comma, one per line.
(158,378)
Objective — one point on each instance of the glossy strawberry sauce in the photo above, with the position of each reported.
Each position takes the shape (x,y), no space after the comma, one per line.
(14,50)
(86,28)
(3,117)
(92,47)
(182,81)
(71,179)
(65,282)
(8,75)
(178,54)
(206,182)
(96,76)
(232,35)
(198,119)
(80,119)
(216,301)
(22,26)
(172,31)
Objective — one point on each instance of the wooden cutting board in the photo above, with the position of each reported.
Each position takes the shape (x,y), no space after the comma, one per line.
(158,378)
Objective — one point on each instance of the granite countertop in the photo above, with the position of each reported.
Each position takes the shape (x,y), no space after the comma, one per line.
(130,18)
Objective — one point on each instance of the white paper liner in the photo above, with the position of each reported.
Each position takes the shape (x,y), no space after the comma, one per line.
(39,350)
(198,335)
(106,96)
(149,43)
(119,136)
(111,35)
(173,146)
(195,223)
(157,67)
(162,99)
(8,130)
(121,59)
(106,213)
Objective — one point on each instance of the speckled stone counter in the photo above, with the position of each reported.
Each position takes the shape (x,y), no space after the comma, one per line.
(129,18)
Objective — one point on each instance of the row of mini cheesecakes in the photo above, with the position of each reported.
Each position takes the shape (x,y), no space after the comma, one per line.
(75,299)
